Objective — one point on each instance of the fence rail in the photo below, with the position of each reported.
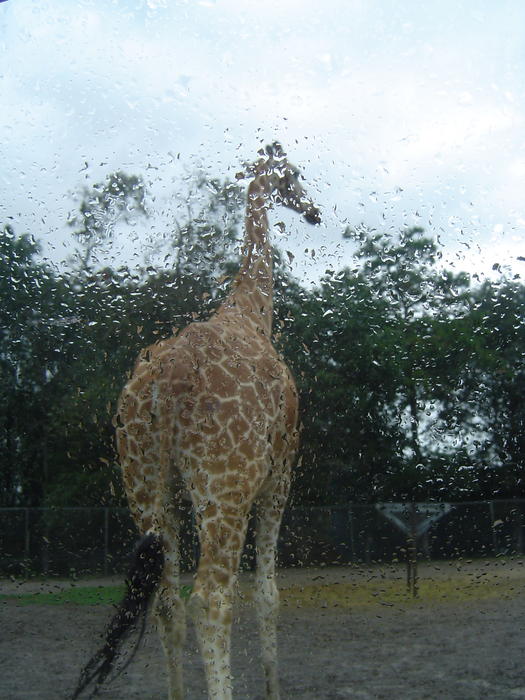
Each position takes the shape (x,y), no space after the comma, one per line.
(62,541)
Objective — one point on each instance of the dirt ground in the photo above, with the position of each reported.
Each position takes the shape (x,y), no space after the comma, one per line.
(464,649)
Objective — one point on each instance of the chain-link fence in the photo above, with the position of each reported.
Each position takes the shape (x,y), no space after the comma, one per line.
(62,541)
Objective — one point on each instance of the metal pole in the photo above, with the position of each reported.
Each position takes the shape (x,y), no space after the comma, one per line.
(412,552)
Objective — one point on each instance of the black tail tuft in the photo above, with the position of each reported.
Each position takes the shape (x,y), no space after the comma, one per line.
(143,579)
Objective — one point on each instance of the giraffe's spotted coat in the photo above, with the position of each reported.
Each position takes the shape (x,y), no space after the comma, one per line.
(223,421)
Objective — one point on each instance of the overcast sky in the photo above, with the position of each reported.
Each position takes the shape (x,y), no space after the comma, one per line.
(399,113)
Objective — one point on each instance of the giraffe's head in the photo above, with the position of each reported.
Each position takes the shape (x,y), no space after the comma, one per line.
(282,182)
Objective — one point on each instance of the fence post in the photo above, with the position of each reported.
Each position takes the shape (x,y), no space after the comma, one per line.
(351,528)
(27,535)
(519,528)
(106,540)
(493,529)
(44,551)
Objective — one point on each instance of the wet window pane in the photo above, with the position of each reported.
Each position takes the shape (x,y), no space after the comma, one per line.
(262,349)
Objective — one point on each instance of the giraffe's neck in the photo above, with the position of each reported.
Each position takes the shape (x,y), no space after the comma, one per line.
(252,291)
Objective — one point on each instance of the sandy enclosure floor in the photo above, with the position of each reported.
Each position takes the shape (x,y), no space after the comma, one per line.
(461,649)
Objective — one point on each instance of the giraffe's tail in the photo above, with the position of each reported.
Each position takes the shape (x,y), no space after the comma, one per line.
(143,579)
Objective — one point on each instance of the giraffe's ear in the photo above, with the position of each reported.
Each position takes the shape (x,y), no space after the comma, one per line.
(248,170)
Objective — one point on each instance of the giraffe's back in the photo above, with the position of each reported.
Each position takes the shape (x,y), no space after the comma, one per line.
(212,411)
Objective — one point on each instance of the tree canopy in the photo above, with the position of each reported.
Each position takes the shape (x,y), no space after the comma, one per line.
(412,378)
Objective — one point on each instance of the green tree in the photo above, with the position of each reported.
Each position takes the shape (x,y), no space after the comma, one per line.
(494,380)
(342,346)
(32,327)
(205,242)
(422,305)
(120,198)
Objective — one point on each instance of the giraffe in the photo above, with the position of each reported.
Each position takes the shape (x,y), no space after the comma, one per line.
(211,414)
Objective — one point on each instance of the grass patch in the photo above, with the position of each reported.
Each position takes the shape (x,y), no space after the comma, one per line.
(476,585)
(394,593)
(79,595)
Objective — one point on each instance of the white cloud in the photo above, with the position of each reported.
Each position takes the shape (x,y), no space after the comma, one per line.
(412,116)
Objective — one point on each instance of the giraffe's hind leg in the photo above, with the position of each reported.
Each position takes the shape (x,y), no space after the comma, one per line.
(170,609)
(270,508)
(221,537)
